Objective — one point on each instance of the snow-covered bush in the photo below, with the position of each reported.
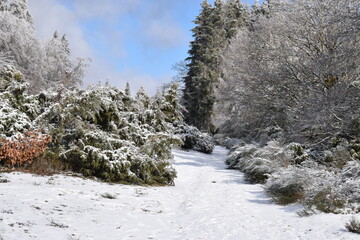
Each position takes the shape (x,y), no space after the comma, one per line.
(194,139)
(298,183)
(317,187)
(101,132)
(227,142)
(292,174)
(258,162)
(353,225)
(16,108)
(283,191)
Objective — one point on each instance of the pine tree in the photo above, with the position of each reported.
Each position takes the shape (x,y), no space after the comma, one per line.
(235,17)
(20,9)
(3,5)
(214,26)
(142,99)
(58,60)
(171,106)
(197,93)
(127,89)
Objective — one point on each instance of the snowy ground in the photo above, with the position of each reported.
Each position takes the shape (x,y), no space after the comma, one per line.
(208,202)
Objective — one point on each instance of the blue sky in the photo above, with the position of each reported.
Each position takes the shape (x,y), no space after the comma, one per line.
(136,41)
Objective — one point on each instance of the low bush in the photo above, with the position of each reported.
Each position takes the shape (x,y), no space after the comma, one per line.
(48,164)
(325,181)
(194,139)
(327,201)
(224,141)
(287,185)
(318,188)
(257,162)
(100,132)
(353,225)
(23,148)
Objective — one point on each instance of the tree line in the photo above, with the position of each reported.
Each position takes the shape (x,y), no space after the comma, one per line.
(43,65)
(287,67)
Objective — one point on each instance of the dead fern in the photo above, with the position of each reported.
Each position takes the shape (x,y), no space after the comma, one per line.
(23,148)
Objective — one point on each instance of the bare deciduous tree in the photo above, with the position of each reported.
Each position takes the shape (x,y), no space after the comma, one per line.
(297,68)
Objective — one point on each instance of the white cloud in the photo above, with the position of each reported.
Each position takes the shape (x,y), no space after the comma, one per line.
(164,33)
(50,15)
(158,25)
(102,73)
(157,30)
(104,8)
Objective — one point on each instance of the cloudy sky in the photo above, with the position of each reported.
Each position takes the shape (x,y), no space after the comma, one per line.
(136,41)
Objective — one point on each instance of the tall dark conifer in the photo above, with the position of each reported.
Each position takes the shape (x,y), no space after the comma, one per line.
(197,76)
(235,17)
(213,29)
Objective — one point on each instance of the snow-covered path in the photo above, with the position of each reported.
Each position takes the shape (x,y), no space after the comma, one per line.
(208,202)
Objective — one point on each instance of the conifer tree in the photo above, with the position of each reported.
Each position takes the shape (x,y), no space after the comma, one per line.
(142,99)
(197,92)
(20,9)
(127,89)
(235,17)
(3,5)
(214,26)
(171,106)
(58,59)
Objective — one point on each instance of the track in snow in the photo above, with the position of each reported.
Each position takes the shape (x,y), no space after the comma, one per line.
(207,202)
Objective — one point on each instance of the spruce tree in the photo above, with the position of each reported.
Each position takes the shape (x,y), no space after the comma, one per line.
(235,17)
(3,5)
(198,97)
(214,26)
(20,9)
(127,89)
(171,106)
(58,60)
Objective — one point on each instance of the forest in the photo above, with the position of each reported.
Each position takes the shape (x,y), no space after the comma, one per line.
(48,123)
(277,83)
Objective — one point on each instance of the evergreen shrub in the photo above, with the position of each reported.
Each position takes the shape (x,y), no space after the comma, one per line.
(194,139)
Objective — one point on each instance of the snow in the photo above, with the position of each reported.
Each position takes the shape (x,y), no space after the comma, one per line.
(207,202)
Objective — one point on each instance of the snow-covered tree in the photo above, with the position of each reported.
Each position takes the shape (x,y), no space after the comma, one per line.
(18,42)
(171,106)
(213,26)
(295,68)
(142,99)
(20,9)
(60,68)
(42,66)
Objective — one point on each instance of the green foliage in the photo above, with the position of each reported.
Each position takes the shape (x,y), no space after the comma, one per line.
(104,134)
(215,25)
(17,110)
(159,146)
(299,153)
(192,138)
(286,194)
(101,132)
(326,201)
